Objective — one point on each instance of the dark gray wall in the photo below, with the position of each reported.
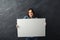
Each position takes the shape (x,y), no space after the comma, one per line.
(53,20)
(10,10)
(7,19)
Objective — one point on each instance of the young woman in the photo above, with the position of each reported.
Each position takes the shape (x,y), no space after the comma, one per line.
(30,14)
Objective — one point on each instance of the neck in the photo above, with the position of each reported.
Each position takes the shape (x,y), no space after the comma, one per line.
(31,17)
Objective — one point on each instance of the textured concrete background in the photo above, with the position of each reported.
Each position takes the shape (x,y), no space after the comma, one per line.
(10,10)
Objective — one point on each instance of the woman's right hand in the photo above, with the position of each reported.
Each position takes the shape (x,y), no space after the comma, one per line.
(17,26)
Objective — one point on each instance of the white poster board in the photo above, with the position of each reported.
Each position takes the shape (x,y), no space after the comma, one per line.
(31,27)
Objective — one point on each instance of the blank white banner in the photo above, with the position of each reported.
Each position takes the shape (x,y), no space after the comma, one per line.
(31,27)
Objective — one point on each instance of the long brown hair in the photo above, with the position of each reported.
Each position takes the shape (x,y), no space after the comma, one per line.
(34,14)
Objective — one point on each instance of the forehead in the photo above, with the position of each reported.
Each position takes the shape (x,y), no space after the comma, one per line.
(30,10)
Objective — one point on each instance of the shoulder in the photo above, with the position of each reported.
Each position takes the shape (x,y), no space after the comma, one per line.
(25,17)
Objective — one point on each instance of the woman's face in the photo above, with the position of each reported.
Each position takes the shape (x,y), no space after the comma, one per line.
(30,13)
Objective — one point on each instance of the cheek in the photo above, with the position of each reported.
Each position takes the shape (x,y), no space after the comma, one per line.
(29,14)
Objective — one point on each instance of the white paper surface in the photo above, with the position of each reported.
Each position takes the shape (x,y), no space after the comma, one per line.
(31,27)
